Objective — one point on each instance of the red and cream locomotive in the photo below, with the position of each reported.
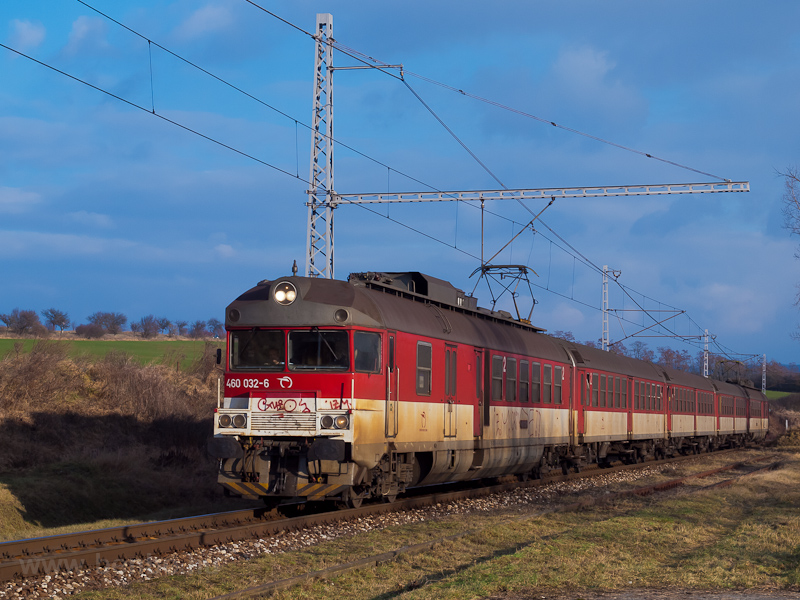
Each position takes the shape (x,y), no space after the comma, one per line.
(354,390)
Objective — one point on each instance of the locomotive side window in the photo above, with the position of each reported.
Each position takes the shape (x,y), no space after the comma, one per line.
(450,371)
(524,378)
(367,352)
(319,350)
(511,380)
(557,386)
(497,378)
(258,349)
(424,362)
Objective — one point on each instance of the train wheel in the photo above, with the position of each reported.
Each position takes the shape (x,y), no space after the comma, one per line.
(389,498)
(351,499)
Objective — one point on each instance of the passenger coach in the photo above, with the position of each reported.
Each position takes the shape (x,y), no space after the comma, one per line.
(351,390)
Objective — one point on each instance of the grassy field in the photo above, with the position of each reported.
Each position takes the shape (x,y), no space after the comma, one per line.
(737,538)
(144,351)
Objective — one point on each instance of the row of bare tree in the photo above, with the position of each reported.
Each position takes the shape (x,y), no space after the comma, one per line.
(28,323)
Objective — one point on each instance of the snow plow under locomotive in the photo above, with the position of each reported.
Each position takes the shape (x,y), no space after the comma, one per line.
(353,390)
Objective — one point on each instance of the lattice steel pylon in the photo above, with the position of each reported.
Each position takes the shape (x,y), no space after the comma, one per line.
(319,248)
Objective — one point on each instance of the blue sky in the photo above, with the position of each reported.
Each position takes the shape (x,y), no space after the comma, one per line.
(105,207)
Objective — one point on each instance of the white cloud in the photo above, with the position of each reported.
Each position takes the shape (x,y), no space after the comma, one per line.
(15,201)
(87,34)
(92,219)
(209,19)
(225,251)
(26,35)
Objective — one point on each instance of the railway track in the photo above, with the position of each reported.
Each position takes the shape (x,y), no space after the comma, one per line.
(71,552)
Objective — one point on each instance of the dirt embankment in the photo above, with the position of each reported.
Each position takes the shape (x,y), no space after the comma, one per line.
(84,439)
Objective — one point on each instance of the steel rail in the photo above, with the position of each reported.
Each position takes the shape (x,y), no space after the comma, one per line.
(369,561)
(104,547)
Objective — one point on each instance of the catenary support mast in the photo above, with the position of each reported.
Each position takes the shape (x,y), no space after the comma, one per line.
(319,248)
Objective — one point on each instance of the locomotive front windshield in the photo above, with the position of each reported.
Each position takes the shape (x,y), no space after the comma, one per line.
(258,350)
(266,350)
(313,350)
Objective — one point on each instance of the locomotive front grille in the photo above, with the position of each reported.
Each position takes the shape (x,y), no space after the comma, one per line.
(306,422)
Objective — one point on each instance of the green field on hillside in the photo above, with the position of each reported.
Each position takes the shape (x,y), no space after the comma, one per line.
(145,351)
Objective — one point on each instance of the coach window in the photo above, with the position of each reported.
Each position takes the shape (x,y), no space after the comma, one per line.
(624,392)
(557,376)
(536,378)
(257,349)
(602,391)
(636,395)
(646,394)
(424,362)
(547,384)
(511,380)
(367,352)
(497,378)
(595,388)
(659,405)
(524,378)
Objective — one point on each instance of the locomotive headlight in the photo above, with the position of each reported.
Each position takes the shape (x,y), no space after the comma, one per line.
(326,421)
(224,421)
(341,422)
(285,293)
(239,421)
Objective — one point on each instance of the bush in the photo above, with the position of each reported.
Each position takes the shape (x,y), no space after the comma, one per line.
(92,331)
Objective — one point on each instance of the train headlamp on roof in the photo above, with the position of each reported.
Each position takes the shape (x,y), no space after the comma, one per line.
(285,293)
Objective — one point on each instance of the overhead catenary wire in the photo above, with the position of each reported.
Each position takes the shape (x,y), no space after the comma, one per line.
(359,56)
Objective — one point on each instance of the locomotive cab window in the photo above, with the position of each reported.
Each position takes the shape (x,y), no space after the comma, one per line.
(367,352)
(256,349)
(317,350)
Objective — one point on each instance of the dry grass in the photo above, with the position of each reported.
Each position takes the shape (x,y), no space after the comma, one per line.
(743,537)
(83,440)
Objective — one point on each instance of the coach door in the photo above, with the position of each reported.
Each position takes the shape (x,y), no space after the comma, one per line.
(392,388)
(580,400)
(477,400)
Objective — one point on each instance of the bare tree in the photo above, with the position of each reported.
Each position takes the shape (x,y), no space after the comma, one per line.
(56,318)
(22,322)
(164,325)
(148,327)
(216,327)
(182,327)
(110,322)
(791,218)
(198,330)
(640,350)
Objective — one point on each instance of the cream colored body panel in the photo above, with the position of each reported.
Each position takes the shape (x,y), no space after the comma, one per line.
(649,425)
(602,426)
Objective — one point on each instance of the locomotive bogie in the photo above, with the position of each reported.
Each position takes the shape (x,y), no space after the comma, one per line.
(349,390)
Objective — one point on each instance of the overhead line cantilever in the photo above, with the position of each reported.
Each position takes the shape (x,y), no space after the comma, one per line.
(543,193)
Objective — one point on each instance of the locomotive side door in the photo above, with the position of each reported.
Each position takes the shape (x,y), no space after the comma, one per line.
(477,411)
(450,381)
(392,387)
